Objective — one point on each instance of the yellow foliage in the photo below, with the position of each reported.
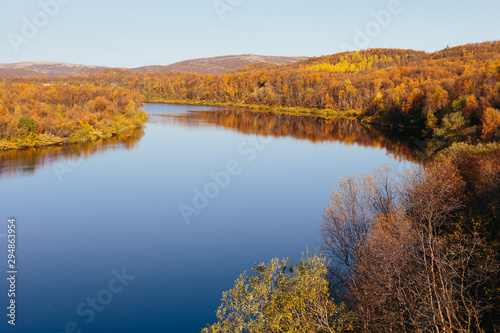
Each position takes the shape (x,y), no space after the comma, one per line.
(282,297)
(351,63)
(491,124)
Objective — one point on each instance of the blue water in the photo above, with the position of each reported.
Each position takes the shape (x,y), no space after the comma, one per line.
(87,214)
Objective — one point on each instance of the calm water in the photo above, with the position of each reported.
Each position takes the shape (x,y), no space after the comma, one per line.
(89,213)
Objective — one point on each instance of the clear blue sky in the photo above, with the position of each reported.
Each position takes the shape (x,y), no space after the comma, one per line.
(126,33)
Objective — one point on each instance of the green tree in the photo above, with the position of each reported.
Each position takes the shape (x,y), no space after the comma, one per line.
(27,123)
(452,124)
(282,297)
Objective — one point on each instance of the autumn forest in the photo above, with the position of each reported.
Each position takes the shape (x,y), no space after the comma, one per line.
(40,115)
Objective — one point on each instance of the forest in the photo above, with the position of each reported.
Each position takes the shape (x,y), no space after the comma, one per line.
(36,115)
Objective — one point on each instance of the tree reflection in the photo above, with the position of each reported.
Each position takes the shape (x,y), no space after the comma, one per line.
(314,129)
(27,161)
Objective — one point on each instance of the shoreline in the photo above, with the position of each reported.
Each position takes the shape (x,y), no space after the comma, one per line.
(48,141)
(298,111)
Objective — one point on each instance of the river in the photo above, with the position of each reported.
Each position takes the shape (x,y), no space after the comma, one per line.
(144,234)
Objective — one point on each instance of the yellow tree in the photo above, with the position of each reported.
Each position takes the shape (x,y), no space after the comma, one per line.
(491,124)
(282,297)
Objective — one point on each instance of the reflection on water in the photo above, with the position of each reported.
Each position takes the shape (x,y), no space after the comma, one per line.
(314,129)
(26,161)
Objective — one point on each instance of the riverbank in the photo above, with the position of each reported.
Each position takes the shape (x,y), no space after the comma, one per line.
(35,115)
(47,140)
(299,111)
(428,145)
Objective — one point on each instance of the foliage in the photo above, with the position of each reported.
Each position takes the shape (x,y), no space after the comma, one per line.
(282,297)
(452,125)
(352,63)
(419,251)
(28,123)
(459,149)
(491,124)
(37,115)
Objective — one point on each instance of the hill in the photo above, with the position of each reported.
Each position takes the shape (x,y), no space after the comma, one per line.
(217,65)
(45,68)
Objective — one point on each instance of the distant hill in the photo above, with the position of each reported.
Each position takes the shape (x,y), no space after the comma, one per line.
(45,68)
(218,65)
(215,65)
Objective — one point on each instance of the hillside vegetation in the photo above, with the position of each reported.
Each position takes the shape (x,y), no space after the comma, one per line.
(41,115)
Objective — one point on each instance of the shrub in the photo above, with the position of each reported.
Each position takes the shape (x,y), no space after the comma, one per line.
(281,297)
(28,123)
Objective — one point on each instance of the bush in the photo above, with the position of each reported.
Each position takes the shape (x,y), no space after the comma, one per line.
(34,115)
(28,123)
(451,126)
(281,297)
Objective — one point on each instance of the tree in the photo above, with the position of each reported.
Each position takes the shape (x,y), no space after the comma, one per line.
(401,261)
(491,124)
(471,106)
(438,100)
(452,124)
(281,297)
(27,123)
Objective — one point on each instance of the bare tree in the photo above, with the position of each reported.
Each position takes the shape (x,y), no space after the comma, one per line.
(394,260)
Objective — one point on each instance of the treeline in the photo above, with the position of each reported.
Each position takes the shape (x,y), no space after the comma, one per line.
(451,95)
(35,115)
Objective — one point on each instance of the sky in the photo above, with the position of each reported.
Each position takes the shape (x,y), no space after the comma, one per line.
(125,33)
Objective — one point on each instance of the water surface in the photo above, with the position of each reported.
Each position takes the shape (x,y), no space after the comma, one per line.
(86,210)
